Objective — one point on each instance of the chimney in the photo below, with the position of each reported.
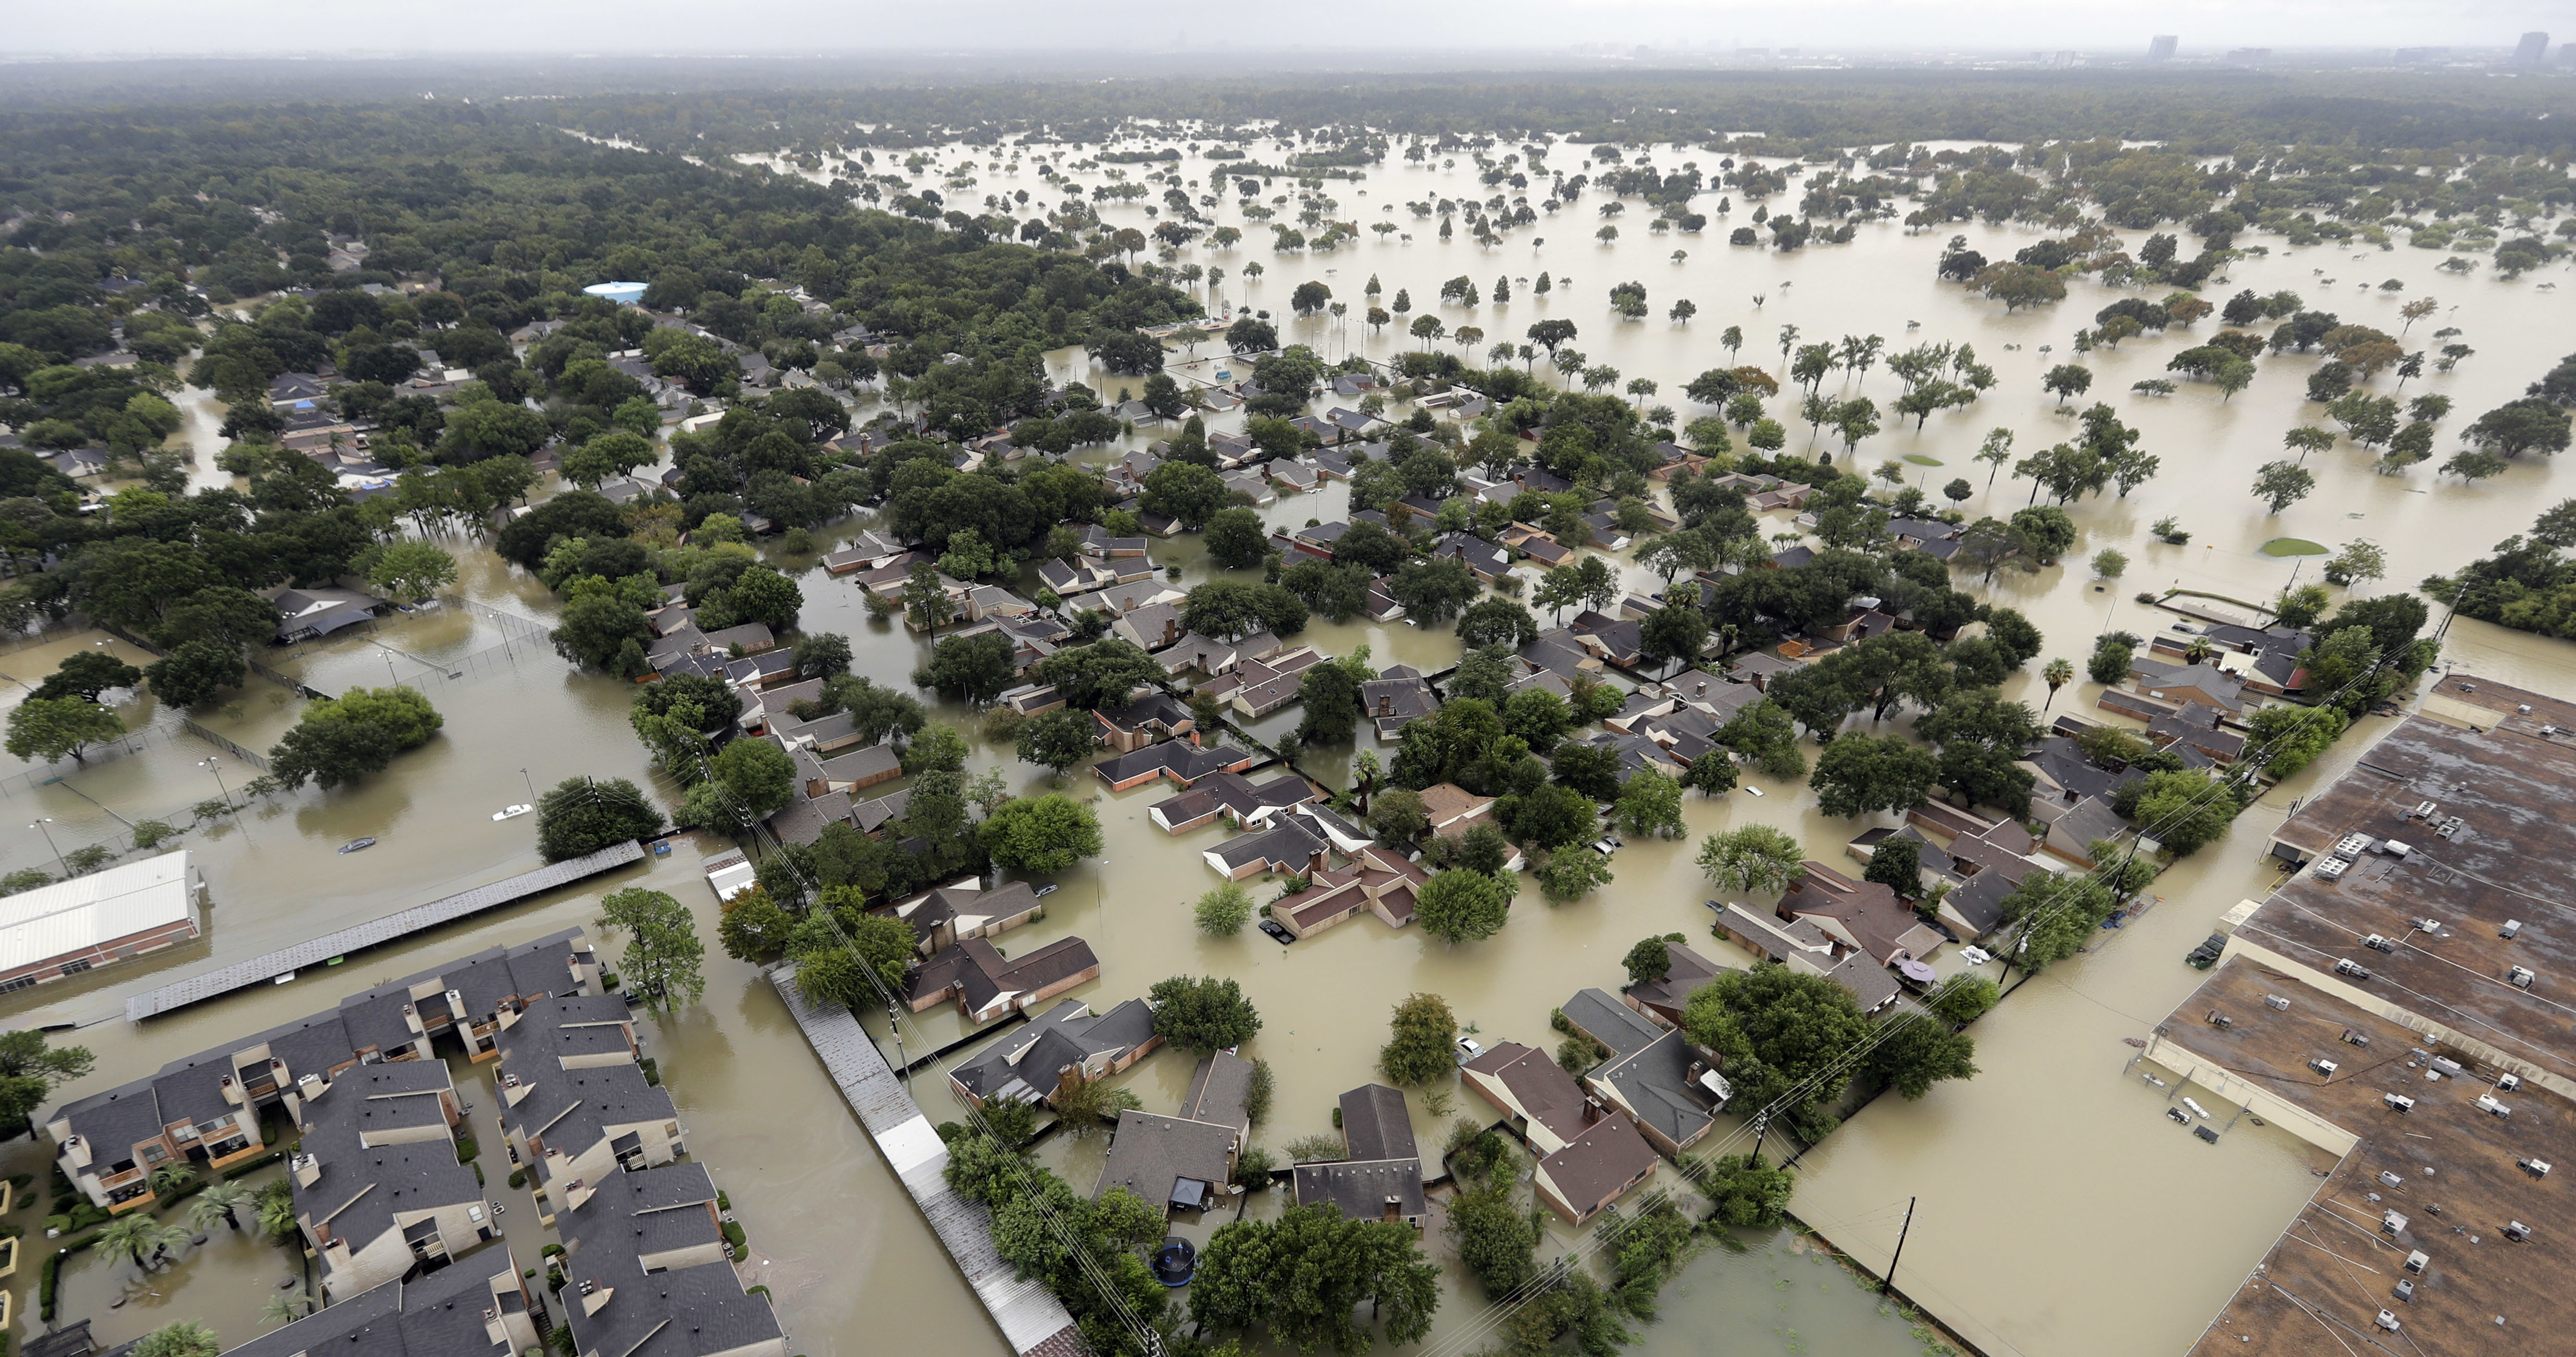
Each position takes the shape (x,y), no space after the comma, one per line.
(1386,704)
(594,1297)
(576,1192)
(1394,1209)
(306,1169)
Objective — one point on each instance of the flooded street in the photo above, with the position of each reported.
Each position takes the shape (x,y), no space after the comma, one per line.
(2059,1213)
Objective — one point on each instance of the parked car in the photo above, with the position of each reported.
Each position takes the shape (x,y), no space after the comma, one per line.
(1468,1049)
(1278,930)
(1044,891)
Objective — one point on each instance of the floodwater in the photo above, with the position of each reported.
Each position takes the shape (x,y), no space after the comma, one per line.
(2057,1211)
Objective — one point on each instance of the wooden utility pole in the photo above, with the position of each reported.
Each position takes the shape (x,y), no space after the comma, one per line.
(1890,1283)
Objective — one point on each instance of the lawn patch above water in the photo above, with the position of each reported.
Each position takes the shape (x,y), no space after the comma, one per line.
(2293,546)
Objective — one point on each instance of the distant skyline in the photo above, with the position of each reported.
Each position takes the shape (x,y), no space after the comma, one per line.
(1408,32)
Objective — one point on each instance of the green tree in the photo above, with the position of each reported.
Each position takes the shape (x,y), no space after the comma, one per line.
(2282,484)
(1056,740)
(1236,538)
(581,815)
(1857,774)
(1200,1014)
(1222,913)
(196,673)
(48,728)
(410,571)
(753,928)
(1651,959)
(1044,834)
(757,774)
(1781,1036)
(1751,858)
(1100,674)
(972,669)
(1747,1193)
(1650,802)
(85,674)
(603,631)
(180,1338)
(1913,1054)
(1305,1276)
(30,1071)
(1963,998)
(663,955)
(340,740)
(1897,864)
(1496,1236)
(1462,906)
(1569,876)
(1423,1040)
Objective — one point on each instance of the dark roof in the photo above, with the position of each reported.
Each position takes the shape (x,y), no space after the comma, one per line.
(1375,1124)
(1219,1088)
(1287,842)
(1545,1091)
(1598,1161)
(1179,758)
(1150,1155)
(436,1314)
(1598,1014)
(1659,1081)
(1362,1188)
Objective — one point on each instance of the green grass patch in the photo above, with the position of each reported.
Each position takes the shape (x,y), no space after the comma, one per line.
(1923,459)
(2293,546)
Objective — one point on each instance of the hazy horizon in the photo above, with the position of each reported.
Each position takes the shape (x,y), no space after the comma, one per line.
(1409,33)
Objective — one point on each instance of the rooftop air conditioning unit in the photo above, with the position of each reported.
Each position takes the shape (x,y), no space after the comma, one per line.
(2386,1321)
(2277,1003)
(2398,1101)
(2508,1082)
(2377,943)
(2423,810)
(2356,1038)
(2426,925)
(2517,1232)
(2521,976)
(2330,869)
(2393,1222)
(2512,927)
(2404,1290)
(2449,1066)
(2488,1105)
(2417,1261)
(2389,1178)
(2323,1067)
(2537,1168)
(2347,968)
(2395,849)
(2353,846)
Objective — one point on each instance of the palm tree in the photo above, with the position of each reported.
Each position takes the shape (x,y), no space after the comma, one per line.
(140,1238)
(183,1338)
(285,1309)
(2199,651)
(171,1177)
(2059,673)
(277,1209)
(220,1201)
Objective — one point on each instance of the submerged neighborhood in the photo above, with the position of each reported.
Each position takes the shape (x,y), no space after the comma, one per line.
(582,656)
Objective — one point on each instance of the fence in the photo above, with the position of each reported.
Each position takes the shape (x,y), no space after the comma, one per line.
(258,761)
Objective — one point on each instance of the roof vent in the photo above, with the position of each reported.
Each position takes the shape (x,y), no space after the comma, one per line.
(2417,1261)
(2517,1232)
(2399,1101)
(2521,976)
(2512,927)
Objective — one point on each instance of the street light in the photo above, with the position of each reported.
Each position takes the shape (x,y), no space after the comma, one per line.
(210,764)
(532,786)
(49,843)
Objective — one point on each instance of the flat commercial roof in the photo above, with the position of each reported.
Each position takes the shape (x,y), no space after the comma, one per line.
(2457,1186)
(2493,849)
(74,915)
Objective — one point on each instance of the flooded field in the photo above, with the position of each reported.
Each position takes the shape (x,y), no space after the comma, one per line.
(2058,1212)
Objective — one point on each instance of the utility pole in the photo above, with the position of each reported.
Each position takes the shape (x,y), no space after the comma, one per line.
(1890,1283)
(1761,1128)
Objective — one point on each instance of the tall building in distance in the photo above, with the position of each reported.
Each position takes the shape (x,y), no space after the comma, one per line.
(2532,48)
(2161,47)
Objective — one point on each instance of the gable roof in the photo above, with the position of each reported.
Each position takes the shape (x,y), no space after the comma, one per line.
(1375,1124)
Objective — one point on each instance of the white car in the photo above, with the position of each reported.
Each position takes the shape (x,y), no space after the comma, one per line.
(1468,1049)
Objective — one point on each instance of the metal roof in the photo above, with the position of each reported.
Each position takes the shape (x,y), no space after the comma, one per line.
(71,916)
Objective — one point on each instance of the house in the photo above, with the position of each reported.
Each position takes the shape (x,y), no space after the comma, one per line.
(1396,698)
(2196,728)
(306,614)
(1380,604)
(206,1110)
(1377,879)
(1096,541)
(1666,999)
(760,671)
(1295,477)
(986,986)
(1559,652)
(1154,627)
(2204,684)
(802,820)
(849,772)
(1288,846)
(2089,821)
(648,1271)
(575,1104)
(1653,1074)
(376,1185)
(1588,1160)
(1609,638)
(1235,797)
(1382,1177)
(1252,486)
(1800,944)
(945,916)
(1860,916)
(2063,774)
(482,1309)
(1486,561)
(1266,685)
(1156,715)
(867,551)
(871,817)
(1180,760)
(74,926)
(1453,809)
(1538,546)
(1185,1162)
(1068,1042)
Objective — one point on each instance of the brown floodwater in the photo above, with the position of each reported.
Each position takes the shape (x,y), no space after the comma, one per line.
(2058,1211)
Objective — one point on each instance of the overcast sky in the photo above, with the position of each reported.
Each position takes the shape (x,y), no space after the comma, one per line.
(286,28)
